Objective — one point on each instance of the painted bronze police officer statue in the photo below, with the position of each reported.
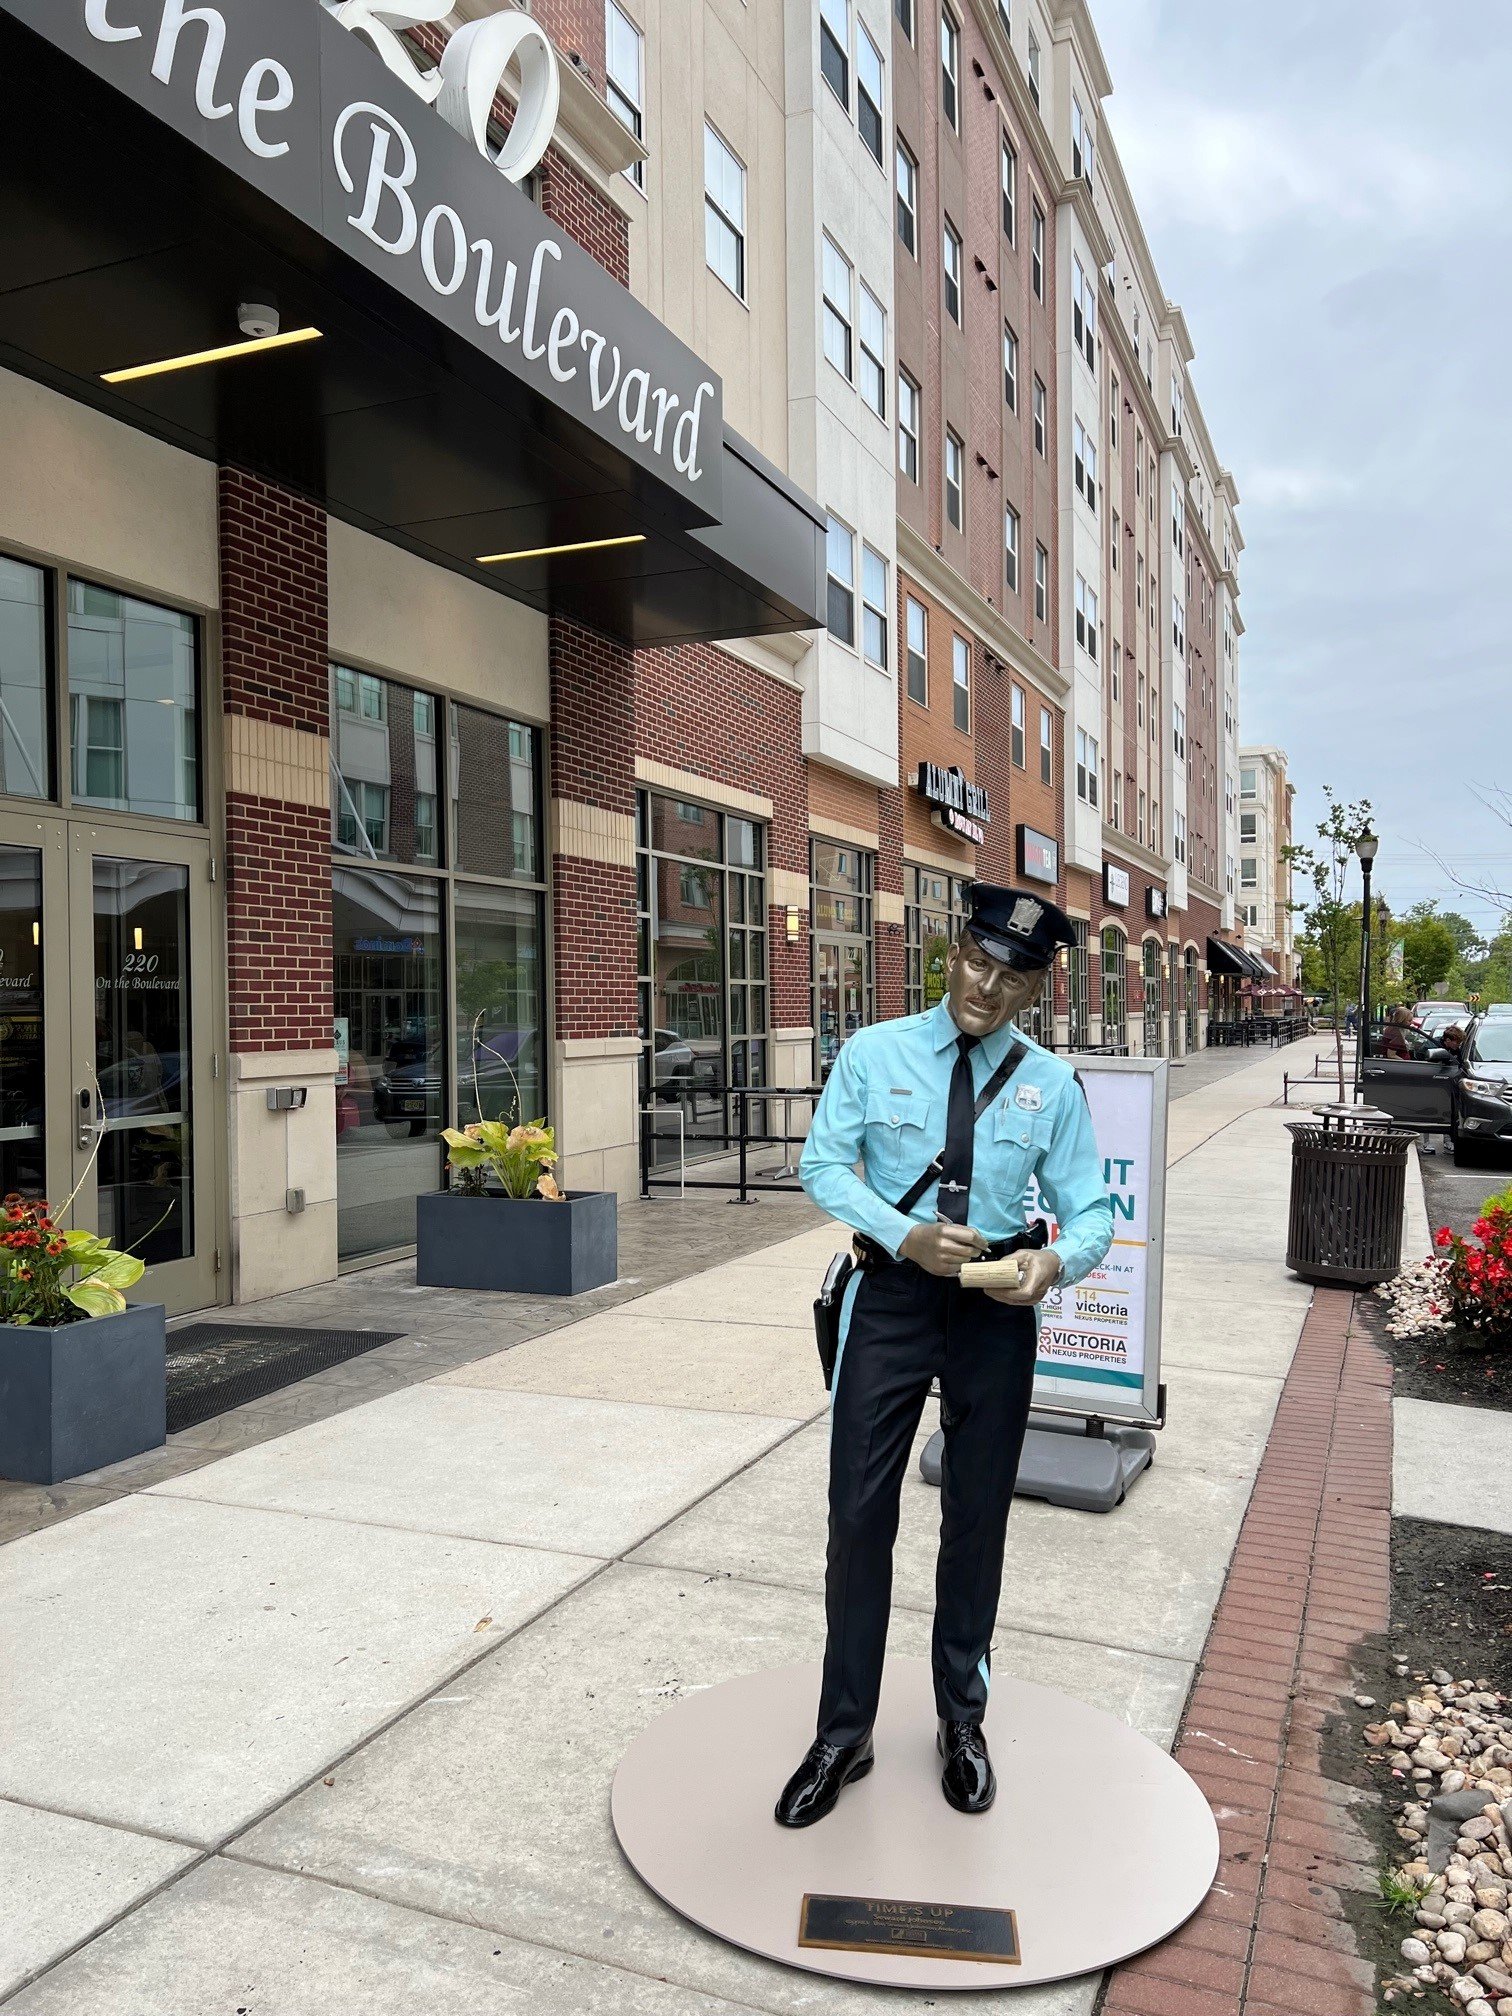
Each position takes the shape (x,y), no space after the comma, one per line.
(951,1113)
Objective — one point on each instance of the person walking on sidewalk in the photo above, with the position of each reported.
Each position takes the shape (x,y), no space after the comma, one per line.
(952,1113)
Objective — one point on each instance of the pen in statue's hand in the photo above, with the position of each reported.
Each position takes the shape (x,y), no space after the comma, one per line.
(942,1248)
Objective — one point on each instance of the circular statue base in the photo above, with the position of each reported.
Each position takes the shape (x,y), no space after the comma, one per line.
(1098,1845)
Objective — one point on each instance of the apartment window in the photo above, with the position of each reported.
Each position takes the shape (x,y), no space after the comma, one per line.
(1247,784)
(869,94)
(1083,147)
(1086,617)
(840,560)
(837,308)
(1037,251)
(908,427)
(1138,462)
(1178,625)
(724,212)
(1139,580)
(1113,411)
(950,69)
(834,47)
(1228,880)
(1115,799)
(1047,746)
(1084,464)
(1178,524)
(1150,490)
(1041,424)
(1247,825)
(1178,730)
(1117,688)
(1083,313)
(1179,837)
(1086,767)
(916,640)
(624,78)
(951,248)
(1175,405)
(1016,735)
(1034,67)
(1005,15)
(1139,707)
(960,675)
(874,608)
(955,456)
(1139,833)
(1041,585)
(873,352)
(1113,546)
(1011,548)
(904,11)
(1010,368)
(906,170)
(1008,184)
(1248,872)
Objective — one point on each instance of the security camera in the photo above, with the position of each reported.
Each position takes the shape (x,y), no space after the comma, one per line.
(257,319)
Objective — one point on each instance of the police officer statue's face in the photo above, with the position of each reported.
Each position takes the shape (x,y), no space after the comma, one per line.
(983,992)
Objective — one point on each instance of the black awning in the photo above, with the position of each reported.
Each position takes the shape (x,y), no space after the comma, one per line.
(1267,971)
(131,228)
(1226,959)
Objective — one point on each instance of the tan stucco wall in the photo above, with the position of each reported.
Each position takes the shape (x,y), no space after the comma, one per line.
(104,497)
(399,614)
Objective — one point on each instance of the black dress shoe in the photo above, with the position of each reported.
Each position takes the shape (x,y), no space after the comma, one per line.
(967,1781)
(823,1775)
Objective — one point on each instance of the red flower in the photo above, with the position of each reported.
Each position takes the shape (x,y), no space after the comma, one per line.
(1482,1229)
(1443,1236)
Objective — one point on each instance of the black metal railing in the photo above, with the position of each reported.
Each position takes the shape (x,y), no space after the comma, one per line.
(750,1131)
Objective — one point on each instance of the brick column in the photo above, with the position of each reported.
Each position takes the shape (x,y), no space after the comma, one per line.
(275,693)
(596,1051)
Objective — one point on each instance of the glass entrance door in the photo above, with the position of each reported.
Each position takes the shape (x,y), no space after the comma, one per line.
(840,995)
(106,1013)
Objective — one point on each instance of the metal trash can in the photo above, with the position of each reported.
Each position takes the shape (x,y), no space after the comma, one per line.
(1349,1180)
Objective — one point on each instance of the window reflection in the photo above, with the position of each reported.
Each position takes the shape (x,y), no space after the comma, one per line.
(25,763)
(22,1081)
(493,787)
(133,677)
(500,1069)
(383,770)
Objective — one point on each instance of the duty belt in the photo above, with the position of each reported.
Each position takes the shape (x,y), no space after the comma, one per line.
(873,1259)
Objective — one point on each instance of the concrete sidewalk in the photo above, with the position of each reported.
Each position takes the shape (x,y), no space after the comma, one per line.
(328,1724)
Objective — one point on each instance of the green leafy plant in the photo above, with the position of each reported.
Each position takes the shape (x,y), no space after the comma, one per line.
(1400,1895)
(39,1262)
(519,1159)
(1326,918)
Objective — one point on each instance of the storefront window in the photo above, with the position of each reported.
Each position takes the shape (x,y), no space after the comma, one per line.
(1038,1019)
(841,880)
(1193,985)
(1173,998)
(704,979)
(438,973)
(133,704)
(23,1084)
(1078,988)
(1152,973)
(934,908)
(25,759)
(1115,984)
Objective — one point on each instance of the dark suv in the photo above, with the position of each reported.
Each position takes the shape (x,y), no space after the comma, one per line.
(1471,1097)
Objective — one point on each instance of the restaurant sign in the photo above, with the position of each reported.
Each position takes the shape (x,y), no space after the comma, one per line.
(960,808)
(330,125)
(1038,856)
(1115,884)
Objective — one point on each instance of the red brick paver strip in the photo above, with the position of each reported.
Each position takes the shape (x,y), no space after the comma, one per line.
(1310,1577)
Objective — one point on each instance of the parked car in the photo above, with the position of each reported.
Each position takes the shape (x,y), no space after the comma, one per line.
(1470,1098)
(1442,1016)
(673,1066)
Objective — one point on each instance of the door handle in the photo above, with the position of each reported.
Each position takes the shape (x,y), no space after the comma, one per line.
(89,1128)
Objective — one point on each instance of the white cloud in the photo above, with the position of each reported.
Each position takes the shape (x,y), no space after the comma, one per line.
(1280,487)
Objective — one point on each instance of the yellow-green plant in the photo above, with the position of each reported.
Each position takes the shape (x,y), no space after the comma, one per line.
(37,1259)
(520,1159)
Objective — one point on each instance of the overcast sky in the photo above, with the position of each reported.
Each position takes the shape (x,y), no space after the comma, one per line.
(1326,189)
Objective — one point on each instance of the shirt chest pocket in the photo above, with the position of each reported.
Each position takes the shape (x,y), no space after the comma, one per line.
(898,1140)
(1020,1138)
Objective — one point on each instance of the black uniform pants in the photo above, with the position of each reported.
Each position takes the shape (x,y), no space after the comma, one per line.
(904,1329)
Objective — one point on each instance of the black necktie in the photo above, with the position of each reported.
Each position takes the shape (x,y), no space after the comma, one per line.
(960,1137)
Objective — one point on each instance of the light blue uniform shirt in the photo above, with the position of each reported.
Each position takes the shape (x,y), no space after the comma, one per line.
(885,1105)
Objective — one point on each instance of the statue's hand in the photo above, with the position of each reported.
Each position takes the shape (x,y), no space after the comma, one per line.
(1038,1273)
(942,1249)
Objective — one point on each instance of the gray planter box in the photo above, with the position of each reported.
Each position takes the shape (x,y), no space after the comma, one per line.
(83,1395)
(518,1245)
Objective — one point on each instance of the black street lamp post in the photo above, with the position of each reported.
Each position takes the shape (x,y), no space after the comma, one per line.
(1365,847)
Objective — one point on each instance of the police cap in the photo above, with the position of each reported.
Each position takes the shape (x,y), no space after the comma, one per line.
(1017,926)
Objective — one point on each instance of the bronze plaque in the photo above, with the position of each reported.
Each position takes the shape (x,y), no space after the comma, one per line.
(922,1931)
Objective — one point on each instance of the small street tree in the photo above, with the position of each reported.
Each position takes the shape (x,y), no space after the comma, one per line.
(1330,923)
(1428,949)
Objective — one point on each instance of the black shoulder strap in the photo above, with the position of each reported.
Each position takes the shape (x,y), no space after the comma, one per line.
(985,1097)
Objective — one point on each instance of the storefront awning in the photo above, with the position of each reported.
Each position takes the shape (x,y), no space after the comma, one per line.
(1226,959)
(1267,971)
(479,384)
